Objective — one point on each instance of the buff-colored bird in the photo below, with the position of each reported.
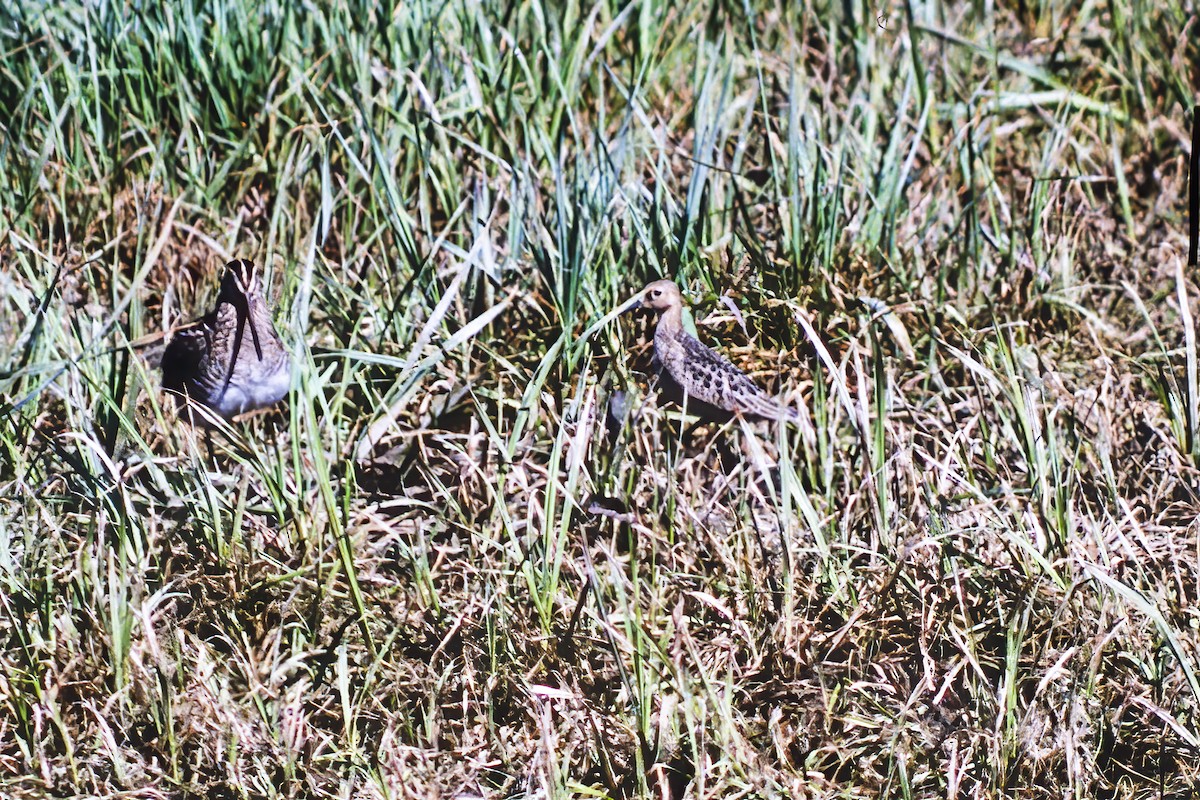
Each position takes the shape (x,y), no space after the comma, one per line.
(700,373)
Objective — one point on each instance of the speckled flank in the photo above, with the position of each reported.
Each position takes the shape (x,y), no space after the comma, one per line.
(232,360)
(700,372)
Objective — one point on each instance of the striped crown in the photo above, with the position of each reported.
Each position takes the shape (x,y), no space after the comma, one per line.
(240,277)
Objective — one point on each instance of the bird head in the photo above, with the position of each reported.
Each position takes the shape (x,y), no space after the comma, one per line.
(241,279)
(660,296)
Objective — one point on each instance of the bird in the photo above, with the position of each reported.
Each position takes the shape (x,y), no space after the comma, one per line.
(704,377)
(232,360)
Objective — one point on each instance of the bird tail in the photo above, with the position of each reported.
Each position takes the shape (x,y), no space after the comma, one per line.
(801,421)
(770,408)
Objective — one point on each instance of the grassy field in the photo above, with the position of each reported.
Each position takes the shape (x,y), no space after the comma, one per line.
(473,555)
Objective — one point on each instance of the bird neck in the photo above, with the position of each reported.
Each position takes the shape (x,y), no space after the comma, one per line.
(671,320)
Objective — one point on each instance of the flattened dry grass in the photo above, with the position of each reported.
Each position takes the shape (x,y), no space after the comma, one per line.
(473,555)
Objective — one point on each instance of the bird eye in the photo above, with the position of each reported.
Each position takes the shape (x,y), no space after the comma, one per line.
(656,293)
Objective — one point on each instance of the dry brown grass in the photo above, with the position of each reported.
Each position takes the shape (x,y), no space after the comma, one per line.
(473,555)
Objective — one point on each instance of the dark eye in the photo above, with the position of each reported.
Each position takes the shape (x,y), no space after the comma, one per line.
(656,293)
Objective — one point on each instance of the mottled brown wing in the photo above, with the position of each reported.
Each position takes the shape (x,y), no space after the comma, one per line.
(711,377)
(715,380)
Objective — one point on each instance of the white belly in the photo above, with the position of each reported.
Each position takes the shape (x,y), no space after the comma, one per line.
(254,395)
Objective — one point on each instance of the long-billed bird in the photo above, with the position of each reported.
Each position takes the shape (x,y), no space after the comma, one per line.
(232,360)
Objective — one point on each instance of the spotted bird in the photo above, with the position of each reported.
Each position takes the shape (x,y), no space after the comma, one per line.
(703,377)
